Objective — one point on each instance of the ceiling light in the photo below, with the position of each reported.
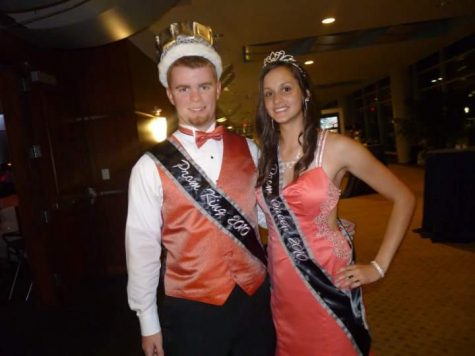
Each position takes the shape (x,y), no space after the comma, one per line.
(221,119)
(158,128)
(443,3)
(328,20)
(155,128)
(307,63)
(466,110)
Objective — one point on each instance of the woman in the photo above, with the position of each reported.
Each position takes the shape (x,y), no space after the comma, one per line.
(316,296)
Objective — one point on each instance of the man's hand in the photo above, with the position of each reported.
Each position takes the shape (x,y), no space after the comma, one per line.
(152,345)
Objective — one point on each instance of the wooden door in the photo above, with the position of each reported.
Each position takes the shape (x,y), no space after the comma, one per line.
(74,215)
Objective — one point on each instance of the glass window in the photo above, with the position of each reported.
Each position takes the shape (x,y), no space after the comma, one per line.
(430,78)
(461,66)
(460,47)
(428,62)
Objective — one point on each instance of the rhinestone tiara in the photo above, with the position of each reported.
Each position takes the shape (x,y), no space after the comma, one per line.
(281,56)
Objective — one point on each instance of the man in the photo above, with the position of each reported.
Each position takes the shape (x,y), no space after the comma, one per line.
(194,194)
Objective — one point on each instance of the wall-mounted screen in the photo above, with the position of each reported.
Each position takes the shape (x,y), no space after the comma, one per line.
(330,122)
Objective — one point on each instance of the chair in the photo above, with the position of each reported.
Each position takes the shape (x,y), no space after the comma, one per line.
(16,252)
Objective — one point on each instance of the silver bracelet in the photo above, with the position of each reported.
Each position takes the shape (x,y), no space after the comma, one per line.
(378,268)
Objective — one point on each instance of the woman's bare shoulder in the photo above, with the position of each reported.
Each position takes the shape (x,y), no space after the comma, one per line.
(340,143)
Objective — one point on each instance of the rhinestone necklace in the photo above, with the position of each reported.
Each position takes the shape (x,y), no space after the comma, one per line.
(290,164)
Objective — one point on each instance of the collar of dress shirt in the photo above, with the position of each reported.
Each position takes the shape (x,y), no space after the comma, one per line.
(194,129)
(209,157)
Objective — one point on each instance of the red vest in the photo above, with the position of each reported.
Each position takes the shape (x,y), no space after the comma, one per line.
(203,263)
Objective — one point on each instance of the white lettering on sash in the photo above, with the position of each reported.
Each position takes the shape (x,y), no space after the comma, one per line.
(239,225)
(184,167)
(296,249)
(283,222)
(212,199)
(268,184)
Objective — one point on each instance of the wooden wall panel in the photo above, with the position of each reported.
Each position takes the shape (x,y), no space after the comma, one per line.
(94,127)
(35,232)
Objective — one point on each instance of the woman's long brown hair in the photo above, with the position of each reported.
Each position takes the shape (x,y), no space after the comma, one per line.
(268,134)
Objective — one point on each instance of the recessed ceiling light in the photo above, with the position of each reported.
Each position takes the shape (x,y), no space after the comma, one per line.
(328,20)
(307,63)
(443,3)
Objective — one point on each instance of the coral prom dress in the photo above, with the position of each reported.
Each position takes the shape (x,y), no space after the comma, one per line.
(305,325)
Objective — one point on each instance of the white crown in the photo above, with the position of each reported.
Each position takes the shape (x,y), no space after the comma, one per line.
(184,39)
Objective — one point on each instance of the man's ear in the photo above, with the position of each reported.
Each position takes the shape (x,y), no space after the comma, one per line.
(218,89)
(170,96)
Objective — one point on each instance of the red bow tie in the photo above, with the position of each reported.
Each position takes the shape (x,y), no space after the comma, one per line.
(201,137)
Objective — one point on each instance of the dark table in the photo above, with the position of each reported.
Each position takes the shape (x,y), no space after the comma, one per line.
(355,186)
(449,196)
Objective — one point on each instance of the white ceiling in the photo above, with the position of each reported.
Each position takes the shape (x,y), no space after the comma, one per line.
(82,23)
(247,22)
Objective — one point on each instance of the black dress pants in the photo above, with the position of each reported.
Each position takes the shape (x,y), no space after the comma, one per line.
(241,327)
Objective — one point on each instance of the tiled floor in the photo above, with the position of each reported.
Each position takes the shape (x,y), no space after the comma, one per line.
(425,305)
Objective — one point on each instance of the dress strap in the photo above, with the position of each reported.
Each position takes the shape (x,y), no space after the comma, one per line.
(322,136)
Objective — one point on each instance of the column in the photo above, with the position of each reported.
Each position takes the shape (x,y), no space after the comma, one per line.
(400,85)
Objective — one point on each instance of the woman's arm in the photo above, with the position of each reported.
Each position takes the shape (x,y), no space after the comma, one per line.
(345,153)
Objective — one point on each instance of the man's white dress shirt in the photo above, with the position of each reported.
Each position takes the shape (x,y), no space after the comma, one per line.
(144,223)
